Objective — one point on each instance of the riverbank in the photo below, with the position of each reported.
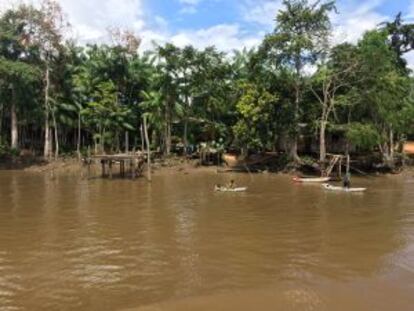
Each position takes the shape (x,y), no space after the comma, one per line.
(163,166)
(72,165)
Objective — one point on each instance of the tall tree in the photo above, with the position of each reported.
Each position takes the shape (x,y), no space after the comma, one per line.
(255,108)
(301,33)
(334,78)
(46,30)
(166,81)
(104,116)
(17,62)
(384,93)
(187,74)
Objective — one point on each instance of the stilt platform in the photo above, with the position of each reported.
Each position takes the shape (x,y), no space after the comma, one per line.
(130,165)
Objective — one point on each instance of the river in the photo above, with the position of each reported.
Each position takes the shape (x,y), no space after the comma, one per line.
(68,243)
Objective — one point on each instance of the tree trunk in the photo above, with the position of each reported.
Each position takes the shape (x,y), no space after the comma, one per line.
(388,151)
(148,148)
(187,112)
(50,143)
(117,143)
(185,138)
(96,145)
(1,124)
(46,148)
(294,143)
(79,137)
(168,142)
(168,130)
(103,141)
(56,135)
(155,139)
(167,145)
(322,143)
(294,146)
(142,138)
(348,164)
(47,144)
(392,146)
(347,146)
(126,142)
(14,127)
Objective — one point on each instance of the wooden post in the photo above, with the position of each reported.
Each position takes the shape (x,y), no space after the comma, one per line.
(122,168)
(126,142)
(148,148)
(142,138)
(132,165)
(348,160)
(110,169)
(103,168)
(89,167)
(340,168)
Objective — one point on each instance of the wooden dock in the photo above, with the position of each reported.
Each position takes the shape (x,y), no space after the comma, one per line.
(129,164)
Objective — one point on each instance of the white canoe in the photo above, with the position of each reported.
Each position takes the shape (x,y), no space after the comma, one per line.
(312,180)
(224,189)
(343,189)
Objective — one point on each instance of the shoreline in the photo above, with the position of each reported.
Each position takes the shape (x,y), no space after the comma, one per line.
(159,167)
(73,165)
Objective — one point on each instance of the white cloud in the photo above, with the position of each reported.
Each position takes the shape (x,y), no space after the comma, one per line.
(190,2)
(90,19)
(354,19)
(96,16)
(189,10)
(262,12)
(410,59)
(226,37)
(410,12)
(189,6)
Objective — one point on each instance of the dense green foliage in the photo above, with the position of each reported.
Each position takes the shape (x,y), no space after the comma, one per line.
(292,93)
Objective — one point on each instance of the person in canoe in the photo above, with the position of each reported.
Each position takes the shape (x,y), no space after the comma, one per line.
(347,181)
(231,184)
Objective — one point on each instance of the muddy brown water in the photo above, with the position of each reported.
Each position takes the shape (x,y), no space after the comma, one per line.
(72,244)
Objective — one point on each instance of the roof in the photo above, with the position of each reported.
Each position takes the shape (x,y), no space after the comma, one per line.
(409,147)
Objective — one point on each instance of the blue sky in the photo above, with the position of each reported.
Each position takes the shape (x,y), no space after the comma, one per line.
(228,24)
(203,15)
(193,14)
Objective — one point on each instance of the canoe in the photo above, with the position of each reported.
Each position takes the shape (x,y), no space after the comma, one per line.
(342,189)
(224,189)
(311,180)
